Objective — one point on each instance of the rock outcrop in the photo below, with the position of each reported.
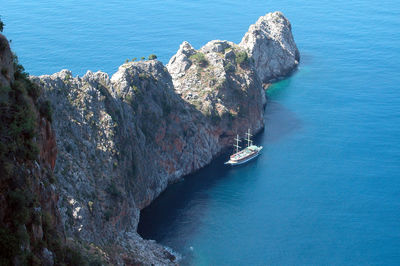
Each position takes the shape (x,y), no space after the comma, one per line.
(270,43)
(220,81)
(31,228)
(121,140)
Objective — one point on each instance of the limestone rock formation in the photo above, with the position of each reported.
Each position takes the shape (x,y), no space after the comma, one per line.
(270,43)
(220,81)
(120,141)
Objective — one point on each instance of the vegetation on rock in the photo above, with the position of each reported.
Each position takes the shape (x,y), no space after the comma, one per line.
(1,25)
(229,67)
(242,58)
(199,59)
(152,57)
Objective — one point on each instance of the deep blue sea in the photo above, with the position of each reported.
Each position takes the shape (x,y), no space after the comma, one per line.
(326,190)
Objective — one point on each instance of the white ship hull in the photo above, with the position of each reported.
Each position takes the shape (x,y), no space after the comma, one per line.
(245,160)
(245,155)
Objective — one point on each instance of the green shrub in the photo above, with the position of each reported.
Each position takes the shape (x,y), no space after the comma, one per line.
(46,110)
(229,67)
(242,58)
(18,202)
(134,59)
(113,191)
(74,257)
(135,89)
(1,25)
(152,57)
(129,98)
(9,246)
(199,59)
(107,215)
(33,90)
(142,58)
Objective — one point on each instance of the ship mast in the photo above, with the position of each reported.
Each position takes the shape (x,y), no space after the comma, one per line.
(249,142)
(237,144)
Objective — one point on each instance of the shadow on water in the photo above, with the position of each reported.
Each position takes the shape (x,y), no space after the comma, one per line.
(162,215)
(177,210)
(159,217)
(279,122)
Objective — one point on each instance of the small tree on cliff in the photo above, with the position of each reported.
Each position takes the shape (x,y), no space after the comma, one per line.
(1,25)
(152,57)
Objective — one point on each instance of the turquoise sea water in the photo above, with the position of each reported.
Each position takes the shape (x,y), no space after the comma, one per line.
(326,190)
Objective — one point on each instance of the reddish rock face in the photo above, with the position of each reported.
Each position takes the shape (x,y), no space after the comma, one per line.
(47,143)
(122,140)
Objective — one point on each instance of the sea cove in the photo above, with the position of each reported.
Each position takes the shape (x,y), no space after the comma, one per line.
(325,189)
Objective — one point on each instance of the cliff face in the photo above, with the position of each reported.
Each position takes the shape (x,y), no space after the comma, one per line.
(220,81)
(122,140)
(31,229)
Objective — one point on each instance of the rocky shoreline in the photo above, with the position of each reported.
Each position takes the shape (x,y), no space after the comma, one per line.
(122,139)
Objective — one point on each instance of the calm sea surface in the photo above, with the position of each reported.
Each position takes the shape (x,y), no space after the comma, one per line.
(326,190)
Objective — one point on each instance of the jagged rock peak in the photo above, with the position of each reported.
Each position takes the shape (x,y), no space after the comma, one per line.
(216,46)
(180,62)
(270,43)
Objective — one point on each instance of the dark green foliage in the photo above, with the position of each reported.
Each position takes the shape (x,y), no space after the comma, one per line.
(74,257)
(4,71)
(135,89)
(9,246)
(166,107)
(33,260)
(215,118)
(199,59)
(129,99)
(18,120)
(134,59)
(68,148)
(95,262)
(107,215)
(229,67)
(242,59)
(1,25)
(142,58)
(113,191)
(34,91)
(13,236)
(18,201)
(46,110)
(152,57)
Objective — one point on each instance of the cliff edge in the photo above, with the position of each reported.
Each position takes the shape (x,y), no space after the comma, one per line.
(122,139)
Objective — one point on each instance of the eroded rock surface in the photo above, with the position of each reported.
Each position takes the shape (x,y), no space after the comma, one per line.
(122,140)
(270,43)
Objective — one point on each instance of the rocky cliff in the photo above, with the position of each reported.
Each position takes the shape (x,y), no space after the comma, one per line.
(122,140)
(31,228)
(270,43)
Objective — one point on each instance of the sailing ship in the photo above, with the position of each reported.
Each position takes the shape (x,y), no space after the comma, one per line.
(245,155)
